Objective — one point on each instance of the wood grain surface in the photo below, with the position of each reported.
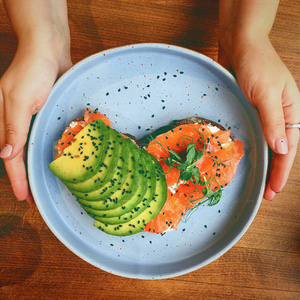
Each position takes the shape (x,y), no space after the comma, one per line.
(264,264)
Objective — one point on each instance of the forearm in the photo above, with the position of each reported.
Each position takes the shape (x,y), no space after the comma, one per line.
(245,21)
(40,25)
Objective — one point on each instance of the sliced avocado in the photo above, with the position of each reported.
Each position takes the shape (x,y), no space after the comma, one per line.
(138,223)
(121,186)
(81,159)
(131,196)
(106,169)
(117,180)
(125,192)
(136,208)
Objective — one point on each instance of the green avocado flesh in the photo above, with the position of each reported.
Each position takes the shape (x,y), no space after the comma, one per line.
(106,168)
(121,186)
(146,193)
(142,217)
(124,192)
(83,157)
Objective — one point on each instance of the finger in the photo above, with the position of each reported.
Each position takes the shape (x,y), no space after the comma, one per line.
(269,104)
(17,122)
(2,121)
(269,194)
(282,164)
(16,172)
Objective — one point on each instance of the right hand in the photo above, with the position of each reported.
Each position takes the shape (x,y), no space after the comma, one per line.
(24,89)
(268,84)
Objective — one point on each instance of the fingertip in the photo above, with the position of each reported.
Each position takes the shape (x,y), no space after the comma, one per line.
(20,194)
(20,188)
(281,146)
(6,151)
(10,151)
(273,120)
(269,194)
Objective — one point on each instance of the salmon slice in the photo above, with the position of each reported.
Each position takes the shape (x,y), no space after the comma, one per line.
(94,115)
(67,136)
(218,165)
(77,125)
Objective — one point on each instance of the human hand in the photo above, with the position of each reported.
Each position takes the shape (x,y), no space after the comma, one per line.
(24,89)
(267,84)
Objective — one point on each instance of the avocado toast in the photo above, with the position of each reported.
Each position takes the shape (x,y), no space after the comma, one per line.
(121,186)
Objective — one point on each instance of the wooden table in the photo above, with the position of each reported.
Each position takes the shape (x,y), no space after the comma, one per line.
(264,264)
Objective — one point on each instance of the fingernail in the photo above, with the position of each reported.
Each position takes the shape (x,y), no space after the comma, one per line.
(281,146)
(6,151)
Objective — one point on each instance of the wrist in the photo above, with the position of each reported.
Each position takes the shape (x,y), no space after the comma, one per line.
(41,28)
(238,43)
(50,43)
(244,24)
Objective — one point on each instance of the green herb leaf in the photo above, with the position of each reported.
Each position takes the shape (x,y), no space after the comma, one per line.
(196,174)
(190,155)
(191,146)
(169,161)
(175,156)
(181,167)
(207,192)
(215,198)
(186,175)
(199,155)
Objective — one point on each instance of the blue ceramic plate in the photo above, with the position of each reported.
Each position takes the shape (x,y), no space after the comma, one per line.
(141,88)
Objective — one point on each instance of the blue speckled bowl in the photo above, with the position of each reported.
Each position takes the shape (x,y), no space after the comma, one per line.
(141,88)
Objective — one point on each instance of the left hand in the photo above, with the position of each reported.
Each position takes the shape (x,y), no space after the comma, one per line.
(267,84)
(24,89)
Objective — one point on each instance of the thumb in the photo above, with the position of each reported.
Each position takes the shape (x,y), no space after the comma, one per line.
(270,107)
(17,121)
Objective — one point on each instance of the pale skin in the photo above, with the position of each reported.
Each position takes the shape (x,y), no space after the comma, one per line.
(264,79)
(44,53)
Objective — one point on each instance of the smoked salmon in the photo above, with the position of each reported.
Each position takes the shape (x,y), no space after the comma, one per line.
(77,125)
(218,162)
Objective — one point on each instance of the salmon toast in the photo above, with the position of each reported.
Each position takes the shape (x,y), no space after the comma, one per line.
(199,160)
